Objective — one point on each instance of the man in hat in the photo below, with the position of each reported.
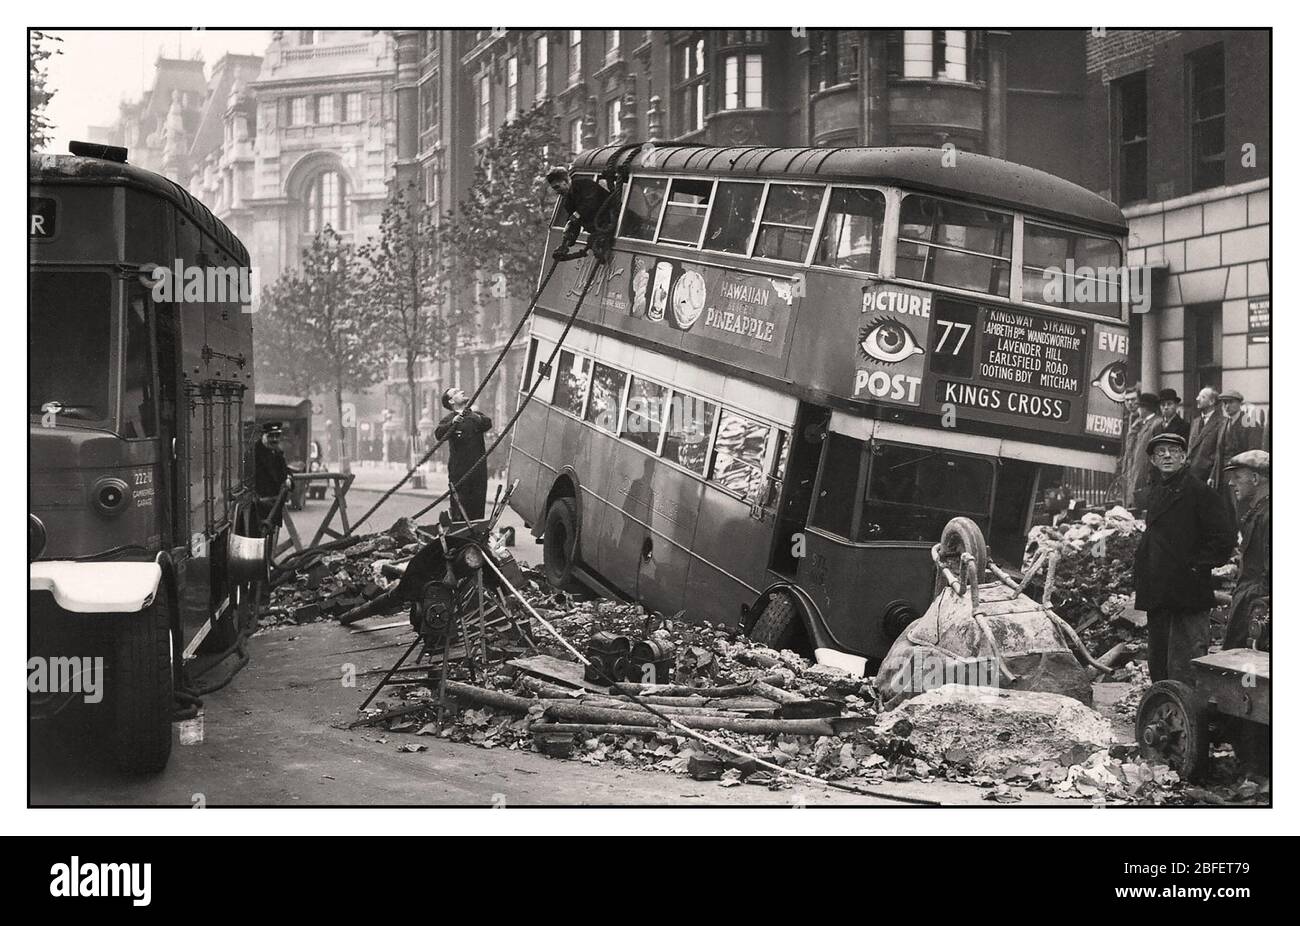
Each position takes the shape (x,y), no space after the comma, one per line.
(463,429)
(581,200)
(271,471)
(1138,473)
(1203,443)
(1188,533)
(1118,488)
(1171,421)
(1248,474)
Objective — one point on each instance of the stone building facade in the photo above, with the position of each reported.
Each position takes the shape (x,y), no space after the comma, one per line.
(1181,140)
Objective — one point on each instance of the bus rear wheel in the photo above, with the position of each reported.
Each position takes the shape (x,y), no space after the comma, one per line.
(560,543)
(140,688)
(779,625)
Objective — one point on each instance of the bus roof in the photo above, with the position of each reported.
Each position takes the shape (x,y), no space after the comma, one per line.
(974,176)
(67,168)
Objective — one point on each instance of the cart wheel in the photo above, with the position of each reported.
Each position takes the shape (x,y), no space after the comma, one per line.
(1172,727)
(962,535)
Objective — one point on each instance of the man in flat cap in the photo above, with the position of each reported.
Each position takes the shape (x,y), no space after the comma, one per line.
(1248,474)
(1188,533)
(271,472)
(1171,421)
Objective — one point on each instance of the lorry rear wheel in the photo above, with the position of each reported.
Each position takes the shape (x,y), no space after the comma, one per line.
(560,542)
(140,689)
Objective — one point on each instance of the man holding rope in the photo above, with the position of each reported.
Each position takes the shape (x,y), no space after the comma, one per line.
(463,428)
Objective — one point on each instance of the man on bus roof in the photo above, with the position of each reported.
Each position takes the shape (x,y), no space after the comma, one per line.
(582,200)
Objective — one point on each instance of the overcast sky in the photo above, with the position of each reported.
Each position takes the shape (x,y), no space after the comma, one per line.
(99,68)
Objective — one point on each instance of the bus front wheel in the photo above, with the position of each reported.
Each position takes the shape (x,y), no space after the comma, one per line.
(140,688)
(560,543)
(780,626)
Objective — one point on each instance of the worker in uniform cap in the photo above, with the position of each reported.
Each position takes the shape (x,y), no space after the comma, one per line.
(1248,474)
(463,429)
(1170,418)
(1188,533)
(271,471)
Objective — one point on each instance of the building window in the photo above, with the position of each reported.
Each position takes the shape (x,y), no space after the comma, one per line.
(743,82)
(1204,346)
(429,103)
(298,111)
(613,38)
(306,37)
(575,136)
(326,202)
(512,87)
(575,56)
(542,61)
(688,69)
(835,59)
(431,184)
(325,109)
(935,53)
(1206,105)
(484,111)
(613,120)
(352,107)
(1130,109)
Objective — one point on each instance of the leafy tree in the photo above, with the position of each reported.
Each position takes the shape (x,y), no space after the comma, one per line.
(403,289)
(319,331)
(498,230)
(39,128)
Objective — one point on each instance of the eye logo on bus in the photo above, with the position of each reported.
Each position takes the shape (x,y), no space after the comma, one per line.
(1113,380)
(887,341)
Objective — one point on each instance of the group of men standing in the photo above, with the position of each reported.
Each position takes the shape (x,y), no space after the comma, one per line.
(1202,486)
(1219,432)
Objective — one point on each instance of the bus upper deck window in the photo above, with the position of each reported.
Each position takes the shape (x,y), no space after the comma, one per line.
(731,224)
(645,199)
(1046,251)
(573,373)
(851,237)
(690,423)
(688,200)
(954,245)
(788,220)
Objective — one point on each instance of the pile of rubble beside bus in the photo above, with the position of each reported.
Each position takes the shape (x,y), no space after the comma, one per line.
(661,693)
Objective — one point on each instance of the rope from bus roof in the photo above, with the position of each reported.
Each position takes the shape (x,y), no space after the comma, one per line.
(537,381)
(481,386)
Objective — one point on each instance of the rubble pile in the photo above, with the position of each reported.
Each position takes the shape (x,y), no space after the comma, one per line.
(1093,584)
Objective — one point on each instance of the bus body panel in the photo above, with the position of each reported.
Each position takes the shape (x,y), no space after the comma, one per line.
(853,584)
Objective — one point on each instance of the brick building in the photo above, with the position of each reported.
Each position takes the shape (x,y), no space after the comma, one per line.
(1180,130)
(1016,94)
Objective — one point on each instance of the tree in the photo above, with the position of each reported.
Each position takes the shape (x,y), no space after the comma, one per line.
(324,326)
(499,229)
(403,289)
(39,128)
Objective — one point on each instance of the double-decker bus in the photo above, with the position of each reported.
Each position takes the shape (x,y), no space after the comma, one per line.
(141,418)
(800,363)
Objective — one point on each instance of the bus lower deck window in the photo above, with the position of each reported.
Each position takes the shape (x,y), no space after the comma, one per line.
(645,413)
(690,423)
(606,393)
(913,492)
(572,376)
(740,453)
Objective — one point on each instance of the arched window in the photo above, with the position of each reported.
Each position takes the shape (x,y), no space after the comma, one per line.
(326,202)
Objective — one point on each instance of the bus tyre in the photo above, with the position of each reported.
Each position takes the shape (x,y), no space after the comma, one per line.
(778,625)
(560,542)
(140,688)
(962,535)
